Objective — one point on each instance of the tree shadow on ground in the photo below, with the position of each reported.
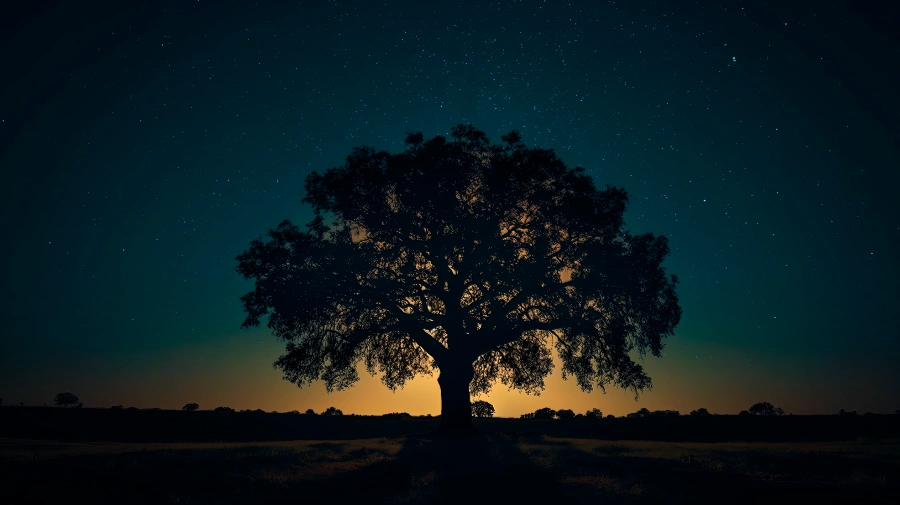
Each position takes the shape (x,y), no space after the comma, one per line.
(485,468)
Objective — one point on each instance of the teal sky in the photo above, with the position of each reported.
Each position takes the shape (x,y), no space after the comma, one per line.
(142,148)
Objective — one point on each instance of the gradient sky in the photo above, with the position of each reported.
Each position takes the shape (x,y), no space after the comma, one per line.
(142,148)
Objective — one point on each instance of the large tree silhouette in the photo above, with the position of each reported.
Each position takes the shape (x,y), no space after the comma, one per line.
(471,258)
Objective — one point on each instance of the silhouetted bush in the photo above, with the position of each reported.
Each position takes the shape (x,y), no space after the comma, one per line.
(565,414)
(594,413)
(117,407)
(640,413)
(331,411)
(481,408)
(544,413)
(745,413)
(397,415)
(191,407)
(223,409)
(765,409)
(670,413)
(65,399)
(700,412)
(310,412)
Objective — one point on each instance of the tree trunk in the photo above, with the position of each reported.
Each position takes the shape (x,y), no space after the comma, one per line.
(456,405)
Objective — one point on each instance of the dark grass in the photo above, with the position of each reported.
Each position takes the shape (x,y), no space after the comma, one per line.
(488,468)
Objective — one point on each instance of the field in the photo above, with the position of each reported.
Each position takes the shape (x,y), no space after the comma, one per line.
(490,468)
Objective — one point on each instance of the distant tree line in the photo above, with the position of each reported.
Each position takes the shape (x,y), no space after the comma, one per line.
(480,408)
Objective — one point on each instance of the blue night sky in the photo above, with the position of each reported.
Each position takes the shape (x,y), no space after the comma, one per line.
(143,148)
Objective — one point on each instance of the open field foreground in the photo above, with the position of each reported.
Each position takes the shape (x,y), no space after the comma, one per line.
(491,468)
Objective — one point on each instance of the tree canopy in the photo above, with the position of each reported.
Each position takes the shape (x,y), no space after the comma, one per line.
(65,399)
(765,409)
(469,257)
(191,406)
(481,408)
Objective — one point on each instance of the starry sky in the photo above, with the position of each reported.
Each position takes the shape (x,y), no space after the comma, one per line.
(143,147)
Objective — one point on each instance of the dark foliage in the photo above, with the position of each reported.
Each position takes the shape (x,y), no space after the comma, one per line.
(223,409)
(467,257)
(544,413)
(310,412)
(481,408)
(65,399)
(205,426)
(331,411)
(565,414)
(700,412)
(398,415)
(765,409)
(593,414)
(640,413)
(191,407)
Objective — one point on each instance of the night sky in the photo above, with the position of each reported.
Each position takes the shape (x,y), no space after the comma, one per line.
(143,148)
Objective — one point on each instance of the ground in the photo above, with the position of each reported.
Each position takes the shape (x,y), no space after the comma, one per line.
(425,469)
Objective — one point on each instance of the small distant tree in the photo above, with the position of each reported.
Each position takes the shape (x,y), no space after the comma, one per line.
(310,412)
(579,416)
(223,409)
(565,414)
(610,416)
(765,409)
(594,413)
(65,399)
(191,407)
(843,412)
(481,408)
(544,413)
(640,413)
(665,413)
(117,407)
(700,412)
(293,412)
(745,413)
(331,411)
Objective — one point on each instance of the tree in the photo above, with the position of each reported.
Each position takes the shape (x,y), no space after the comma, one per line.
(565,414)
(65,399)
(481,408)
(191,407)
(310,412)
(644,412)
(465,257)
(594,414)
(700,412)
(223,409)
(544,413)
(765,409)
(331,411)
